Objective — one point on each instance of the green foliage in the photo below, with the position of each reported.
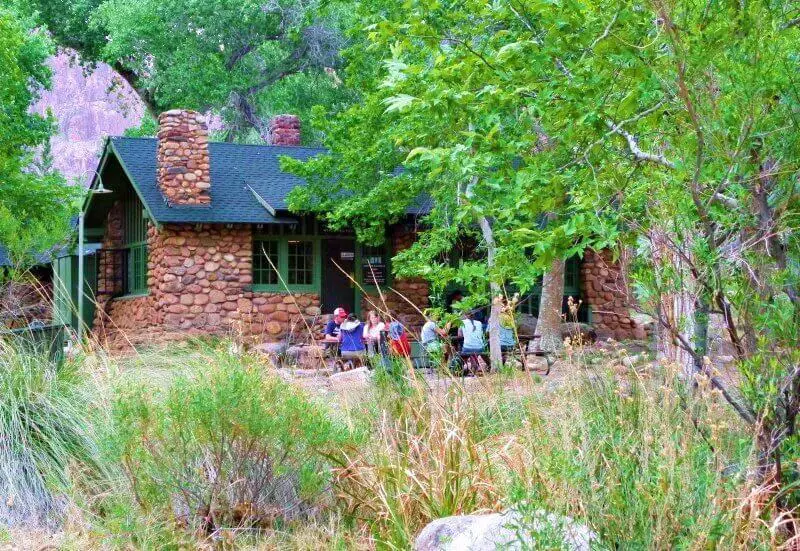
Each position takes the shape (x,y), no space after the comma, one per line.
(35,203)
(667,125)
(229,446)
(46,432)
(480,119)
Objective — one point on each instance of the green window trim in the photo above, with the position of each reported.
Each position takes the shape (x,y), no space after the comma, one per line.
(572,287)
(291,267)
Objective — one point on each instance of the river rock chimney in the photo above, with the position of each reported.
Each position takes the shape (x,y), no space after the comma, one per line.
(284,130)
(184,174)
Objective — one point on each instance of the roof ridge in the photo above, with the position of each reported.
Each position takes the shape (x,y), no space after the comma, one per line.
(152,138)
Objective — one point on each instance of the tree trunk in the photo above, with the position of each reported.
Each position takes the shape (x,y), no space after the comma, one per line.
(548,327)
(495,353)
(676,308)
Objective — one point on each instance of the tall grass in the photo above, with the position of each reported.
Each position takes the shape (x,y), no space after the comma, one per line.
(643,464)
(45,430)
(423,460)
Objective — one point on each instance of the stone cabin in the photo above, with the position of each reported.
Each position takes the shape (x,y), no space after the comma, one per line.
(194,237)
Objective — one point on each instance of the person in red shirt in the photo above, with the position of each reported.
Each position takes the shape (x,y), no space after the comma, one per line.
(398,340)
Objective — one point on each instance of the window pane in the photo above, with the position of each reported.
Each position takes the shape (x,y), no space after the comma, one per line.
(137,269)
(572,270)
(301,263)
(263,271)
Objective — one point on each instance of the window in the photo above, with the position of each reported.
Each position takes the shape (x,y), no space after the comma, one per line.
(286,261)
(301,263)
(137,269)
(265,256)
(572,277)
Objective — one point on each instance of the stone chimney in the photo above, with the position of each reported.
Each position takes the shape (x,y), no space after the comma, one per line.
(184,175)
(284,130)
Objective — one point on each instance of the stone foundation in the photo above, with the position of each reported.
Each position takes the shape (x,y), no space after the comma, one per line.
(605,292)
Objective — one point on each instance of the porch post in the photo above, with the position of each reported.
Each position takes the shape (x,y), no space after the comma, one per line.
(80,274)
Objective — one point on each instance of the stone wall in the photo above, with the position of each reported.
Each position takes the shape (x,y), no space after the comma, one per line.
(27,299)
(184,174)
(414,289)
(118,318)
(605,292)
(201,281)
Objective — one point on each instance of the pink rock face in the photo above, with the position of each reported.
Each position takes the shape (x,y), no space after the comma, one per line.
(89,106)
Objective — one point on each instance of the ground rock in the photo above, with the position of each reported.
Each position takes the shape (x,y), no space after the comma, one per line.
(358,377)
(506,530)
(272,349)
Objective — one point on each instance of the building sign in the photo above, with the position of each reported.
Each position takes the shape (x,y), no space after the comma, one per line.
(347,255)
(373,269)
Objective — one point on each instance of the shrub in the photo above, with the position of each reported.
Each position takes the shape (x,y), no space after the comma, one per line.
(44,430)
(229,447)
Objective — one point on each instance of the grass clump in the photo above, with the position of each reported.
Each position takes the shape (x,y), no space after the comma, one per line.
(640,462)
(223,449)
(423,461)
(45,430)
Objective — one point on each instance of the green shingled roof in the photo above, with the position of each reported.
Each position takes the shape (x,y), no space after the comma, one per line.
(243,178)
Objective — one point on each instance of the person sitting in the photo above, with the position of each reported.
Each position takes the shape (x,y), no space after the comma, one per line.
(472,351)
(508,334)
(332,328)
(399,340)
(372,332)
(351,337)
(471,331)
(431,335)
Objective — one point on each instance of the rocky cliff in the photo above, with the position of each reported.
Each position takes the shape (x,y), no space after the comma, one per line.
(89,105)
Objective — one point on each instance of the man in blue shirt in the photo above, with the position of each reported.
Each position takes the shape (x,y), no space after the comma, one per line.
(333,327)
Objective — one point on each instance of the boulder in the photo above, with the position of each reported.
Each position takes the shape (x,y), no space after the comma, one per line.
(507,530)
(526,324)
(355,378)
(272,349)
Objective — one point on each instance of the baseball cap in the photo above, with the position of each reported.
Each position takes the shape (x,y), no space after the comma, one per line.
(340,313)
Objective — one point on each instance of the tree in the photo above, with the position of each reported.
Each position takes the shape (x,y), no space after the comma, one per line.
(669,126)
(35,205)
(452,94)
(243,59)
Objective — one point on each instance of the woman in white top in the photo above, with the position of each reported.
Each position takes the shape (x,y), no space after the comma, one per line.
(472,331)
(372,332)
